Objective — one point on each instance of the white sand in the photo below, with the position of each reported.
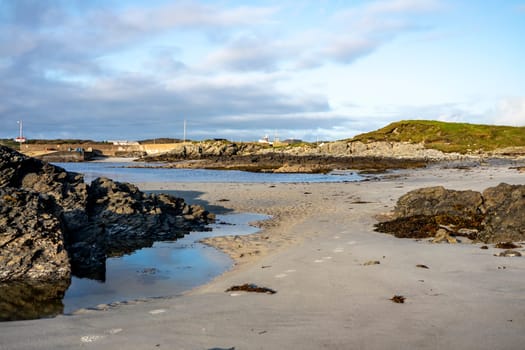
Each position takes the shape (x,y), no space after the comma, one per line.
(313,255)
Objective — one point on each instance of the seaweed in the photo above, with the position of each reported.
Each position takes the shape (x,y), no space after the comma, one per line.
(398,299)
(250,287)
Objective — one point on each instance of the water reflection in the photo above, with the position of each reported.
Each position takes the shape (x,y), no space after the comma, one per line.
(30,300)
(164,269)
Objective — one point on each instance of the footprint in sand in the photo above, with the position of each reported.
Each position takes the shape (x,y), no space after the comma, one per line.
(157,311)
(283,275)
(322,260)
(337,237)
(338,250)
(91,338)
(350,242)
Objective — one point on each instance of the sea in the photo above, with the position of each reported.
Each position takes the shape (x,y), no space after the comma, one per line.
(168,268)
(139,172)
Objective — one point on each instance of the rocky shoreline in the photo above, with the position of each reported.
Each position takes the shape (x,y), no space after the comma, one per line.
(53,225)
(323,158)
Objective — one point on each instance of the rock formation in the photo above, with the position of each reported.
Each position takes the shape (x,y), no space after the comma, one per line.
(52,224)
(496,215)
(31,239)
(505,214)
(304,159)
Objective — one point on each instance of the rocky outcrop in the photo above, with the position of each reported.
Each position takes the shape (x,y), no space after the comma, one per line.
(303,158)
(121,219)
(496,215)
(505,213)
(52,224)
(289,163)
(432,201)
(31,238)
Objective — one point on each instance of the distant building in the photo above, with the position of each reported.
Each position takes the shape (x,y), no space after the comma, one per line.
(266,140)
(123,143)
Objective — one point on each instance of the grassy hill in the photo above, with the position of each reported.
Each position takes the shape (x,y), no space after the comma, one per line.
(449,137)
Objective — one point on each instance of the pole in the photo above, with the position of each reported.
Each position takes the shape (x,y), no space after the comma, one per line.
(21,134)
(20,122)
(184,139)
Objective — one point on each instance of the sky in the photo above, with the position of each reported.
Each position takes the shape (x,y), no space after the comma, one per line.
(311,70)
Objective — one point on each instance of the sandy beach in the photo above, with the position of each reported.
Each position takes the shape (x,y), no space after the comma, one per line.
(314,253)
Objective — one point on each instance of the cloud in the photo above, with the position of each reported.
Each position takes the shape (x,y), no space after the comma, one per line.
(347,51)
(65,67)
(402,6)
(249,54)
(510,111)
(137,106)
(31,13)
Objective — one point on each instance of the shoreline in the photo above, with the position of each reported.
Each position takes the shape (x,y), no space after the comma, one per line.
(314,253)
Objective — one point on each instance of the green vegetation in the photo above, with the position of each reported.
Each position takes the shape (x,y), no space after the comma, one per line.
(448,137)
(161,140)
(10,143)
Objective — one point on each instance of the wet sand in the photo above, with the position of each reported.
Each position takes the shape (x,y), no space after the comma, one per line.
(314,253)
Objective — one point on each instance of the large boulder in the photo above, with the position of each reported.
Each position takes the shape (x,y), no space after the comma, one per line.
(438,201)
(496,215)
(505,213)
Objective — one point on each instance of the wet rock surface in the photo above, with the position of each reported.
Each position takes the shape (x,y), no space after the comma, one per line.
(496,215)
(53,225)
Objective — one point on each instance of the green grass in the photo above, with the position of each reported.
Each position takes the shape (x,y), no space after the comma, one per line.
(448,137)
(10,143)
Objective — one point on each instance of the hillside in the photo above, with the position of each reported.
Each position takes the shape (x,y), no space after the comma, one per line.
(448,137)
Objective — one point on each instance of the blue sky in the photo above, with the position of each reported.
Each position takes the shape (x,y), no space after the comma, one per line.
(241,69)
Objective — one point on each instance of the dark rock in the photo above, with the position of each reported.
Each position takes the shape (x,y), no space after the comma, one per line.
(432,201)
(31,239)
(509,253)
(47,212)
(497,215)
(505,213)
(507,245)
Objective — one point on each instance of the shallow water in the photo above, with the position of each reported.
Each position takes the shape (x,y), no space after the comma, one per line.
(124,172)
(165,269)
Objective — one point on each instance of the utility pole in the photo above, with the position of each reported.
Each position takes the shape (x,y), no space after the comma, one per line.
(184,139)
(20,139)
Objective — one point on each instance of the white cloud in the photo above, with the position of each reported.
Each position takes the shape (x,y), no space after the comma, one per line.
(192,15)
(347,51)
(403,6)
(510,111)
(249,54)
